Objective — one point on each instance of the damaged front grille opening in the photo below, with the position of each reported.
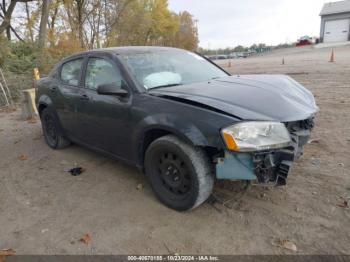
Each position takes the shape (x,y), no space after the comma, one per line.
(272,168)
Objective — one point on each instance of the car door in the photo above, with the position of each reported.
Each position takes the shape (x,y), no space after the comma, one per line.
(66,94)
(104,119)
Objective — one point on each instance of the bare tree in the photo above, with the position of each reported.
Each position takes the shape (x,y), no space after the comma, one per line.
(7,15)
(43,23)
(29,27)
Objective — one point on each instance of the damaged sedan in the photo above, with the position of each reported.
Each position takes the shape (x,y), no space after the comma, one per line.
(180,118)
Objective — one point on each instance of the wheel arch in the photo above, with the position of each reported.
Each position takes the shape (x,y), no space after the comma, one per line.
(43,102)
(153,134)
(41,107)
(191,135)
(46,102)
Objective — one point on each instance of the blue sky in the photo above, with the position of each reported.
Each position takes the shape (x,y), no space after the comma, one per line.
(227,23)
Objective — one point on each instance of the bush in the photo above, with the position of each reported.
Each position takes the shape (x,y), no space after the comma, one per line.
(22,58)
(18,59)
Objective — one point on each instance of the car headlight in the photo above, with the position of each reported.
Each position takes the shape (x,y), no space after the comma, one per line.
(256,136)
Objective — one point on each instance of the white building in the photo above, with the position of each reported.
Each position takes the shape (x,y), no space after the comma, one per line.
(335,22)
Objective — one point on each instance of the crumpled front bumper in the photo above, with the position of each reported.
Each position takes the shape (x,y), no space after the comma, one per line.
(266,167)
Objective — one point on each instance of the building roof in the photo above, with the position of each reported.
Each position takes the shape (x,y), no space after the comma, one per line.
(336,7)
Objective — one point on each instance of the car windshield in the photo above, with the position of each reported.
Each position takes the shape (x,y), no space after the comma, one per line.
(164,68)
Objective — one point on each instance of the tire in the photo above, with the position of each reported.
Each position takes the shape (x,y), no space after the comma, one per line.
(52,132)
(180,174)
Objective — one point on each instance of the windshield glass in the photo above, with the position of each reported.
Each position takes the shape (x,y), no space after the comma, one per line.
(163,68)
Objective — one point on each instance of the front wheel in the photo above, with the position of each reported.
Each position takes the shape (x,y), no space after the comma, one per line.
(180,174)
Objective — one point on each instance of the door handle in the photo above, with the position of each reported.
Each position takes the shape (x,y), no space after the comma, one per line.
(84,97)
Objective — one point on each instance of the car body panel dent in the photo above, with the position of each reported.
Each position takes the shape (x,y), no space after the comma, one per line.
(251,97)
(174,124)
(186,118)
(192,124)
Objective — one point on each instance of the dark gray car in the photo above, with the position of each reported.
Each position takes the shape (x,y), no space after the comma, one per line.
(180,118)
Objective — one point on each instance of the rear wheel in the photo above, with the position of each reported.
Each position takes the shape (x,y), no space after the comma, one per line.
(179,173)
(52,133)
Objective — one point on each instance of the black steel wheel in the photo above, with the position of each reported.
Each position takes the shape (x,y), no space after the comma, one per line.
(173,172)
(52,133)
(180,174)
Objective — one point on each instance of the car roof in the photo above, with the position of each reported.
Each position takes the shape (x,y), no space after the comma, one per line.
(128,50)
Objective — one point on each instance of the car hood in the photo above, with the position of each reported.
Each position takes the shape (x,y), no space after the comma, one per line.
(248,97)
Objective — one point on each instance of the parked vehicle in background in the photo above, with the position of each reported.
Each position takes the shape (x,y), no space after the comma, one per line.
(180,118)
(305,40)
(221,57)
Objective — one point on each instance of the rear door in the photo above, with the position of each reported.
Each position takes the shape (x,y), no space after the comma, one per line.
(104,119)
(67,94)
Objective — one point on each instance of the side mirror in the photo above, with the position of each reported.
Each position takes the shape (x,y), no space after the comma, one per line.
(111,89)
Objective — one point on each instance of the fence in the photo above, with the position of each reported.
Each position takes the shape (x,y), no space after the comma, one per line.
(5,94)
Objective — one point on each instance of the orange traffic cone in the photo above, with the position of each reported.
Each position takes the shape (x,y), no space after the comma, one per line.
(332,59)
(229,63)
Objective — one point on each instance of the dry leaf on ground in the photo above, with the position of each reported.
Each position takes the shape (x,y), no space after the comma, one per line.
(86,239)
(345,204)
(288,245)
(32,121)
(7,252)
(23,157)
(8,109)
(314,141)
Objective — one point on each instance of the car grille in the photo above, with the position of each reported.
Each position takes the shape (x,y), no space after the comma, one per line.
(306,124)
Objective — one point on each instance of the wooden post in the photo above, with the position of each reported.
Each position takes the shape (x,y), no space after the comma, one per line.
(36,73)
(28,104)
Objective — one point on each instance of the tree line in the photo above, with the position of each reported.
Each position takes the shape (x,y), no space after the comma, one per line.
(255,47)
(64,26)
(39,33)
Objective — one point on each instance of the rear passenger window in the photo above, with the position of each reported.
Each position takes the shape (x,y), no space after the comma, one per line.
(70,72)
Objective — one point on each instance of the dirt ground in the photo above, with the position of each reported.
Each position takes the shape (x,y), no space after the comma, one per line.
(45,210)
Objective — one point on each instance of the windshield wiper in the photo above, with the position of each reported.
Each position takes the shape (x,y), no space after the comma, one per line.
(161,86)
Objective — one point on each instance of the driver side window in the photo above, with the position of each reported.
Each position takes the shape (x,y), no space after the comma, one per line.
(99,72)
